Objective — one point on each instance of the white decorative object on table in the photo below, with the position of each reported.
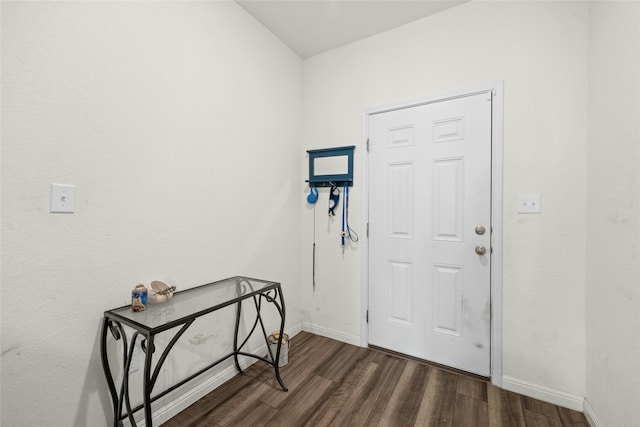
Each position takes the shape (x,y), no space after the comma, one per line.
(160,292)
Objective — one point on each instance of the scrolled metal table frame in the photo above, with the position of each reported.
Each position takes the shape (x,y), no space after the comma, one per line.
(113,323)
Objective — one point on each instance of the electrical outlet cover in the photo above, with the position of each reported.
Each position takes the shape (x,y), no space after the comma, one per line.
(529,203)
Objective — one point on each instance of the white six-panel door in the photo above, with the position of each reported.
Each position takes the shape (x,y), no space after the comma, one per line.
(430,197)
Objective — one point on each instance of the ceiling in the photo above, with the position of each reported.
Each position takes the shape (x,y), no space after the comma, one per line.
(310,27)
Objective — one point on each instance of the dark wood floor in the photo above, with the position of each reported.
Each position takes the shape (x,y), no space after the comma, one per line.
(335,384)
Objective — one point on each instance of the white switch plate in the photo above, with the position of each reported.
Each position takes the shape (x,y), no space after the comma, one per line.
(63,198)
(529,203)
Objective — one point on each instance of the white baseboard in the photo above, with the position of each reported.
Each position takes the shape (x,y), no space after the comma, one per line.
(590,415)
(546,394)
(330,333)
(191,396)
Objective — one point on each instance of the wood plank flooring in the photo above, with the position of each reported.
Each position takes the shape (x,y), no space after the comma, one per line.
(335,384)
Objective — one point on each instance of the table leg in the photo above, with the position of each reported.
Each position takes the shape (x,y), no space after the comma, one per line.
(125,378)
(281,309)
(235,336)
(147,384)
(107,369)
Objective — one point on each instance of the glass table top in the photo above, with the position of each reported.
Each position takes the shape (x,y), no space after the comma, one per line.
(191,303)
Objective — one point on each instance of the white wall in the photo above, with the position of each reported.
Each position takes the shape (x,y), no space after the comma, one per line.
(539,50)
(178,123)
(613,226)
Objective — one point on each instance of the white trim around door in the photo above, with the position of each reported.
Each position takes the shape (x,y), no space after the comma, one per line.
(496,217)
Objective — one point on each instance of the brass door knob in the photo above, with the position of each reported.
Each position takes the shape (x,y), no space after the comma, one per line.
(481,250)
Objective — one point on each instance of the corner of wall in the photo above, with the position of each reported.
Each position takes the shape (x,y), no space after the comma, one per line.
(546,394)
(590,415)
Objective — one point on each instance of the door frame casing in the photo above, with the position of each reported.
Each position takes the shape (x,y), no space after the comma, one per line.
(496,88)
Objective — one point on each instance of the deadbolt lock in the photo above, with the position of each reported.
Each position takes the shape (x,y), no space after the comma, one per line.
(480,230)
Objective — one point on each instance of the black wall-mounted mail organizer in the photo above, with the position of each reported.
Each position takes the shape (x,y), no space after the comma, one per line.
(318,176)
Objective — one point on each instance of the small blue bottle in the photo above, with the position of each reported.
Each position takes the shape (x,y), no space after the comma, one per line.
(139,298)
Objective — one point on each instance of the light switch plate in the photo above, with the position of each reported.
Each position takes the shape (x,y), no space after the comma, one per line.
(63,198)
(529,203)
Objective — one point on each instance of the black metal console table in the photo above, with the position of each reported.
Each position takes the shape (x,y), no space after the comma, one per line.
(180,312)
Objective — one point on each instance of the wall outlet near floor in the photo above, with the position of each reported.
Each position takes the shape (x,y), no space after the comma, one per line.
(529,203)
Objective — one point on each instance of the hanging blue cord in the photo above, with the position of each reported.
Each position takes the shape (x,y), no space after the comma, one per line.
(344,209)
